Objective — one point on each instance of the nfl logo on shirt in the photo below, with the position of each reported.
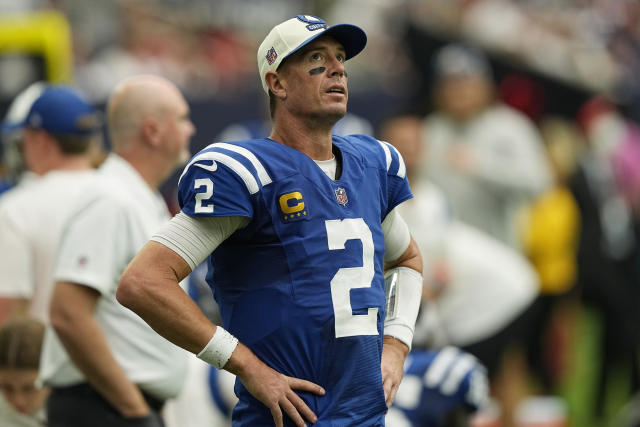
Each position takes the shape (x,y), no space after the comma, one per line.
(341,196)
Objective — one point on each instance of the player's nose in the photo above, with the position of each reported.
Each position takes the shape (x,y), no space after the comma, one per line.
(336,66)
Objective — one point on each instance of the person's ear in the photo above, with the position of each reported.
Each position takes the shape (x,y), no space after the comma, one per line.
(151,130)
(39,142)
(276,84)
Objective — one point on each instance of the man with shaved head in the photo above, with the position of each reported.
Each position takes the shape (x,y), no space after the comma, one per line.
(105,365)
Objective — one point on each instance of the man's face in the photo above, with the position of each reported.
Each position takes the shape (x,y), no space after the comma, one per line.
(462,97)
(18,388)
(316,82)
(178,130)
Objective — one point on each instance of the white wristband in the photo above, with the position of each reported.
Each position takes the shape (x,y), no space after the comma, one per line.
(403,293)
(218,350)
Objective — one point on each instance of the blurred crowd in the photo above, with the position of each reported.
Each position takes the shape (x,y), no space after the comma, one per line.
(518,121)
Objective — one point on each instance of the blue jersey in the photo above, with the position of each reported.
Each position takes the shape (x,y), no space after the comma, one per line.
(435,383)
(302,284)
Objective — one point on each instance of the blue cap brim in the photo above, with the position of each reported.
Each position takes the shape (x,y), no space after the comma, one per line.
(351,37)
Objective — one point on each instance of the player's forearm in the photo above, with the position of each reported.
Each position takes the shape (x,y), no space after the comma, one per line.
(150,288)
(411,258)
(87,347)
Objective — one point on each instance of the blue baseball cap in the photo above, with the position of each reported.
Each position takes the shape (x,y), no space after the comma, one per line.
(63,109)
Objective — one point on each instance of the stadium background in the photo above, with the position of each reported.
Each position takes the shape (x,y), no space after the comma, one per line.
(548,59)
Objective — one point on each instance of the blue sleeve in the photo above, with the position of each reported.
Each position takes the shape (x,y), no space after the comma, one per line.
(217,183)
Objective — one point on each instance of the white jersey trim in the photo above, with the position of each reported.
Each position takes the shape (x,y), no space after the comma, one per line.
(263,176)
(244,173)
(402,169)
(387,153)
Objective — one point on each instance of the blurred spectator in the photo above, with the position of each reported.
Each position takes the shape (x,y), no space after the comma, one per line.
(477,289)
(55,134)
(565,40)
(11,134)
(624,44)
(550,242)
(487,157)
(626,168)
(607,251)
(105,365)
(23,399)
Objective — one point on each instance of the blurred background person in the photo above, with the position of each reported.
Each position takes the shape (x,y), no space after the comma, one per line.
(23,397)
(607,255)
(11,136)
(550,235)
(477,289)
(57,132)
(104,364)
(486,157)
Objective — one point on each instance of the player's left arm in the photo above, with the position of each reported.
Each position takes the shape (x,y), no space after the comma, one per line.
(403,275)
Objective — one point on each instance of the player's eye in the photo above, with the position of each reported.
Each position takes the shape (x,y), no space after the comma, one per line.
(340,57)
(317,56)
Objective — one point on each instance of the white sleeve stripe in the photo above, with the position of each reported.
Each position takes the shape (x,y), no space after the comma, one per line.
(461,367)
(230,162)
(387,153)
(402,169)
(263,176)
(438,369)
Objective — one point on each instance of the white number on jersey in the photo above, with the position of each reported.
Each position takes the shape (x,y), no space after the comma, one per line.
(346,323)
(206,195)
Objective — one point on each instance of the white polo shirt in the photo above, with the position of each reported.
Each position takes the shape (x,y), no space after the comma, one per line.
(32,217)
(490,283)
(107,230)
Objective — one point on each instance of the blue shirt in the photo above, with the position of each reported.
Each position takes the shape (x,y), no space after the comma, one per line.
(302,284)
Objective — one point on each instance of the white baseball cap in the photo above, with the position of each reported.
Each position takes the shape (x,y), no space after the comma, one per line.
(288,37)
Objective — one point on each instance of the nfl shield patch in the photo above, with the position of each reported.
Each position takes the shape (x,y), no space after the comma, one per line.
(271,56)
(341,196)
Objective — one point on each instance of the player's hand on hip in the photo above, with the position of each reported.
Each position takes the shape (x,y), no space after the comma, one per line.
(393,354)
(273,389)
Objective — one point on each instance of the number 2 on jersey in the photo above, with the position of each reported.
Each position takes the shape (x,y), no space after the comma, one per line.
(200,207)
(348,324)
